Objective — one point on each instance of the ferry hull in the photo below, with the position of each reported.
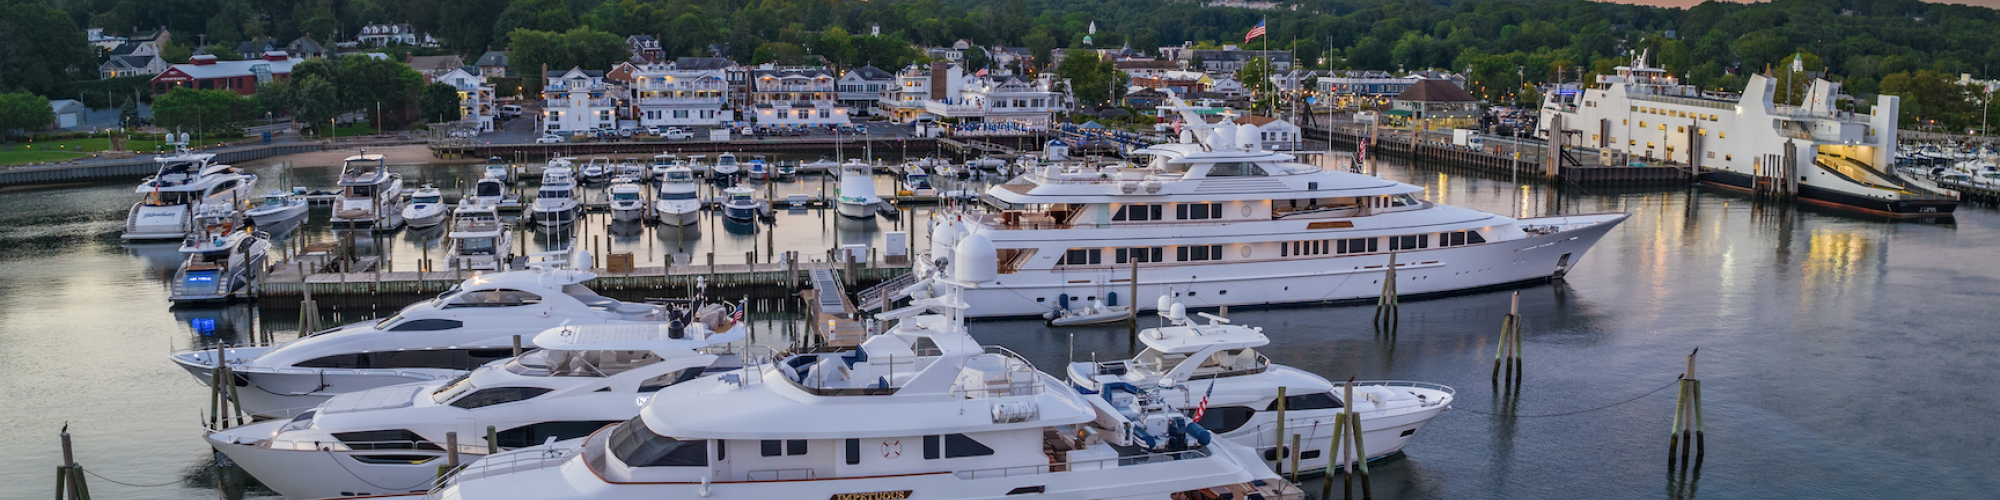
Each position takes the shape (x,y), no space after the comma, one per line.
(1814,195)
(1420,273)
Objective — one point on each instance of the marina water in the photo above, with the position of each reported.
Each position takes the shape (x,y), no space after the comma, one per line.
(1844,357)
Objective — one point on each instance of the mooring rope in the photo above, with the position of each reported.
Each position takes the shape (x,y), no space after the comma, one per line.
(114,481)
(1677,380)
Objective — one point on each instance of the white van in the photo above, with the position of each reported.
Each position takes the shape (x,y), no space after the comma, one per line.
(510,111)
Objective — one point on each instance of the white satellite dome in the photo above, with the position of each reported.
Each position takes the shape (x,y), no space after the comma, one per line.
(975,261)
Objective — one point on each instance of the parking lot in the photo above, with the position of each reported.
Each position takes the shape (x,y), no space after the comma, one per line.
(524,130)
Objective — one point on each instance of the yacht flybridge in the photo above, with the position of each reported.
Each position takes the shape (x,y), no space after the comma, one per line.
(1828,157)
(392,439)
(185,181)
(919,411)
(463,328)
(1226,224)
(371,196)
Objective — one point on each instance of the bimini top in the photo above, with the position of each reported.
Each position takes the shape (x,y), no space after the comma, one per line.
(1192,339)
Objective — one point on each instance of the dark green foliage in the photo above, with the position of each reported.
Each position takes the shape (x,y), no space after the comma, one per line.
(439,103)
(203,111)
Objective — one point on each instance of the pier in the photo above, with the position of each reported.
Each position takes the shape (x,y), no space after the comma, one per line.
(286,280)
(1972,192)
(898,145)
(1535,161)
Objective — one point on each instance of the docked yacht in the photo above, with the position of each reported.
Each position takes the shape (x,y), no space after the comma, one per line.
(628,201)
(555,203)
(857,191)
(629,167)
(479,240)
(370,196)
(917,182)
(426,208)
(678,202)
(472,324)
(1218,362)
(661,162)
(498,169)
(741,203)
(597,169)
(278,207)
(391,440)
(223,256)
(758,169)
(488,191)
(787,171)
(183,182)
(1828,157)
(1227,224)
(919,411)
(725,169)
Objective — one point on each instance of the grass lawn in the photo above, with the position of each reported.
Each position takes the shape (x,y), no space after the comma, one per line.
(24,156)
(69,149)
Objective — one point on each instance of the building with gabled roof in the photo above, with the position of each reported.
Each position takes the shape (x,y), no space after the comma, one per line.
(433,67)
(863,88)
(666,95)
(578,100)
(475,97)
(493,64)
(1434,104)
(206,72)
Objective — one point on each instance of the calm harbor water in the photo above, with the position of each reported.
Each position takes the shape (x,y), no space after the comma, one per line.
(1842,357)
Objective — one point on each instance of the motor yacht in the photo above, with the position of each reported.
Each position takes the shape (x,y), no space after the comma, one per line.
(661,162)
(917,182)
(278,207)
(919,411)
(555,203)
(1188,361)
(596,170)
(629,167)
(725,169)
(857,191)
(183,182)
(488,191)
(741,203)
(678,202)
(371,196)
(1224,223)
(627,199)
(787,170)
(473,324)
(698,164)
(479,240)
(426,208)
(223,256)
(758,169)
(392,439)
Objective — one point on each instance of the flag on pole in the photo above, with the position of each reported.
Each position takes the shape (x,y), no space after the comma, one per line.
(981,73)
(1203,407)
(1255,32)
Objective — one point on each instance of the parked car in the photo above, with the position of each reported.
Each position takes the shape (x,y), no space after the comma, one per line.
(676,133)
(549,139)
(625,132)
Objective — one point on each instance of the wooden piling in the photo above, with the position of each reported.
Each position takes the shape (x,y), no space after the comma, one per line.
(492,440)
(1684,438)
(1508,351)
(1386,307)
(1281,429)
(451,449)
(1360,451)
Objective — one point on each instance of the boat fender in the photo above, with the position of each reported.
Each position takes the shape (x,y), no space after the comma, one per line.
(704,486)
(1111,299)
(1063,301)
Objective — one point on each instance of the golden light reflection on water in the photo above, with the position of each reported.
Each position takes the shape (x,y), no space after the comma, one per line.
(1835,257)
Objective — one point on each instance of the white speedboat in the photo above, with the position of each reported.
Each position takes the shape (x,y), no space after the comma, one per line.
(741,203)
(698,164)
(1228,224)
(678,202)
(488,191)
(725,169)
(986,162)
(1187,362)
(555,203)
(787,170)
(223,256)
(946,169)
(628,201)
(630,168)
(920,411)
(278,207)
(857,191)
(370,197)
(499,169)
(391,440)
(479,240)
(917,182)
(1095,313)
(426,208)
(597,169)
(472,324)
(661,162)
(758,169)
(183,182)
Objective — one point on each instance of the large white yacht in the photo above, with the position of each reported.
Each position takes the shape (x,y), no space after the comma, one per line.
(555,203)
(1187,362)
(678,202)
(392,439)
(1841,159)
(223,256)
(184,181)
(472,324)
(725,169)
(371,196)
(920,411)
(627,202)
(426,208)
(479,239)
(1226,224)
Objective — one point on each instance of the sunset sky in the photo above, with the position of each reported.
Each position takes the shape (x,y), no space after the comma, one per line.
(1690,3)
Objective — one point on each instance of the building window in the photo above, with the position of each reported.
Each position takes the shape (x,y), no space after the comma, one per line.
(824,113)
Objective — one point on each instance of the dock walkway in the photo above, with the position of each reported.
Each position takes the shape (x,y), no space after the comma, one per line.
(285,281)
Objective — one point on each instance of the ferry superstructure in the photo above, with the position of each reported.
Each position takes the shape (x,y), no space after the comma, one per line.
(1221,223)
(1828,157)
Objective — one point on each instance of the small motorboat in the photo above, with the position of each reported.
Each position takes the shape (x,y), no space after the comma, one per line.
(223,256)
(426,208)
(627,199)
(759,169)
(596,170)
(741,203)
(277,207)
(916,182)
(498,169)
(788,171)
(725,168)
(1095,314)
(661,162)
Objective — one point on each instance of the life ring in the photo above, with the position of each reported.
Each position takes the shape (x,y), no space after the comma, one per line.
(892,448)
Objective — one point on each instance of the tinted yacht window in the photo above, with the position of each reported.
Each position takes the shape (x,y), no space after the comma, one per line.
(637,446)
(498,395)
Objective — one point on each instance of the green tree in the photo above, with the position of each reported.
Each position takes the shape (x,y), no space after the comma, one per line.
(581,47)
(203,111)
(39,48)
(24,112)
(835,45)
(975,58)
(467,25)
(537,15)
(783,54)
(367,82)
(887,52)
(439,102)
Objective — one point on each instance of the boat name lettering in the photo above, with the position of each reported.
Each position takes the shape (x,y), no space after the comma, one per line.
(1339,224)
(873,495)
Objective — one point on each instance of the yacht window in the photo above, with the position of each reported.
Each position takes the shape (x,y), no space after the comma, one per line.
(667,195)
(426,199)
(1409,242)
(1224,418)
(450,359)
(1082,257)
(498,395)
(397,439)
(489,189)
(853,451)
(1198,252)
(553,193)
(224,186)
(1403,200)
(1197,211)
(1142,254)
(931,448)
(1317,401)
(960,446)
(1234,169)
(534,434)
(302,422)
(1355,245)
(1456,238)
(625,196)
(427,325)
(772,448)
(494,298)
(360,191)
(476,246)
(1137,213)
(638,446)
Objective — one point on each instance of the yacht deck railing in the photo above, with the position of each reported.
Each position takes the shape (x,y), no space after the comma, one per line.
(1125,461)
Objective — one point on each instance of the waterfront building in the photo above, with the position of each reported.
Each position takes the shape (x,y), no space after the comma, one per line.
(578,100)
(666,95)
(205,72)
(475,97)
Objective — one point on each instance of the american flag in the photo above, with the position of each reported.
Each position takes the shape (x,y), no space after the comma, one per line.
(1255,32)
(1202,408)
(982,72)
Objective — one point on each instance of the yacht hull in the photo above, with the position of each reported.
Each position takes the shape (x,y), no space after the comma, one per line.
(268,217)
(553,218)
(628,214)
(167,222)
(427,220)
(1420,273)
(679,218)
(858,210)
(284,393)
(336,473)
(1820,196)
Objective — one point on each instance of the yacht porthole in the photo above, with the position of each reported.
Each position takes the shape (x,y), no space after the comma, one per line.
(1246,210)
(1246,248)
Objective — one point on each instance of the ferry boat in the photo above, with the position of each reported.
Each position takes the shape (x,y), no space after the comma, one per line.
(920,411)
(223,256)
(1828,157)
(857,191)
(470,325)
(678,203)
(627,199)
(183,182)
(391,440)
(370,197)
(1224,223)
(479,240)
(426,208)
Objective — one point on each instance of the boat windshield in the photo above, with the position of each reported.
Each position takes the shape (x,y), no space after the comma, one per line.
(679,176)
(677,196)
(476,246)
(625,196)
(637,446)
(552,363)
(489,189)
(426,199)
(362,191)
(739,196)
(458,386)
(554,193)
(274,200)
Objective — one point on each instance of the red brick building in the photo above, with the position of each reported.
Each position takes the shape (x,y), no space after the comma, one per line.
(205,72)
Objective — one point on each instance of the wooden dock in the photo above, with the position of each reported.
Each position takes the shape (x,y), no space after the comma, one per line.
(285,280)
(1426,153)
(1971,192)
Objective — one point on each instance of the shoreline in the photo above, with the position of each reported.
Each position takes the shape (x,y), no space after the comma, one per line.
(402,154)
